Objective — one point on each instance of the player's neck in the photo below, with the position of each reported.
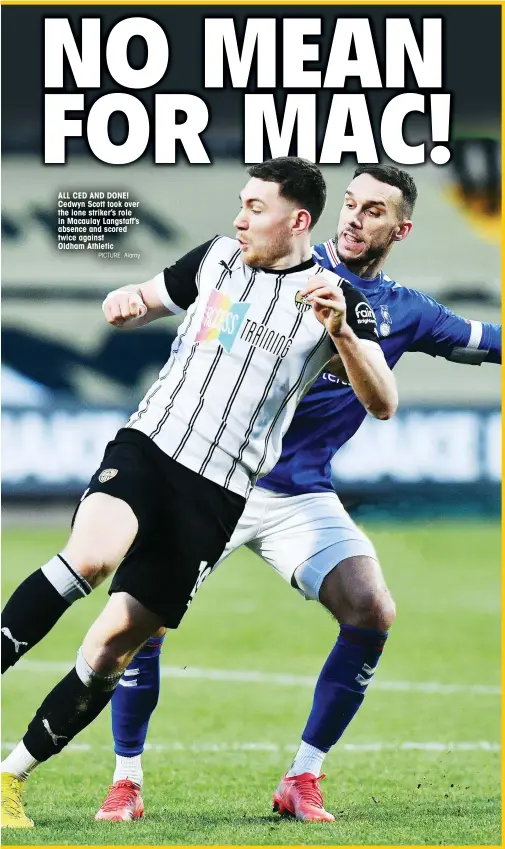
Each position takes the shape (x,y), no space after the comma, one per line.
(366,270)
(298,254)
(369,269)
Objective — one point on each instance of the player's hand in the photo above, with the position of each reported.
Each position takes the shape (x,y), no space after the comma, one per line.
(328,303)
(122,306)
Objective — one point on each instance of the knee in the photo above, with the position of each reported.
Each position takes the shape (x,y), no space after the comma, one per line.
(108,656)
(356,594)
(104,660)
(374,608)
(116,636)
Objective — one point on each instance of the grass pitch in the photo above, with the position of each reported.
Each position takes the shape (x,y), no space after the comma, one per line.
(419,765)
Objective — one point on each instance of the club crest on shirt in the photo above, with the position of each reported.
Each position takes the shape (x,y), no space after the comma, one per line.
(301,303)
(107,475)
(385,325)
(222,320)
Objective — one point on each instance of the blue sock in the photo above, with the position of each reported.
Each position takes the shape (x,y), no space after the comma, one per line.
(135,698)
(341,685)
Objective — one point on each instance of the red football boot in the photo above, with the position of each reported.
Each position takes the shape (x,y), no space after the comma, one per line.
(123,802)
(300,796)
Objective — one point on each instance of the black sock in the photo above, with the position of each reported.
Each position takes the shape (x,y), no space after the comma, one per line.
(69,708)
(35,607)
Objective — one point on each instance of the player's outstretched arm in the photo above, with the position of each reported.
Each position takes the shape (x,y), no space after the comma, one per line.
(443,333)
(134,306)
(172,291)
(365,365)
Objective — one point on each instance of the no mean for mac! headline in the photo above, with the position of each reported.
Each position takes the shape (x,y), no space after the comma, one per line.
(271,55)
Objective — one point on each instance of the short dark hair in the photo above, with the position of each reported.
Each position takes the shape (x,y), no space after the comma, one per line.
(393,177)
(299,180)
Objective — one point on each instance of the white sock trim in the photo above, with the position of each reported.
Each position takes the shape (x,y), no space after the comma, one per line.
(90,678)
(19,762)
(129,768)
(307,759)
(65,579)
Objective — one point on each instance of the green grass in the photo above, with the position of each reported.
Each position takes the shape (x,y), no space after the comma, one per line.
(199,789)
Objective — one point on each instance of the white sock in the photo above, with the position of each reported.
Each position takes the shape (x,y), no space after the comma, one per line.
(66,580)
(129,768)
(307,759)
(19,763)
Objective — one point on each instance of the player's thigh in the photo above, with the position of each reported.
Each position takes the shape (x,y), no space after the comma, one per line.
(118,633)
(121,497)
(306,536)
(165,569)
(104,529)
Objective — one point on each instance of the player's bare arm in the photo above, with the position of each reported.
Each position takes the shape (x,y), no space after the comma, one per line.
(364,364)
(134,306)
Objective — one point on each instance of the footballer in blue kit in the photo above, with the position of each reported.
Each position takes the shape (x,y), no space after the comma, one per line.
(330,414)
(295,521)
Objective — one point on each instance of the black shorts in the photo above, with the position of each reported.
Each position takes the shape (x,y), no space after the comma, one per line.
(185,522)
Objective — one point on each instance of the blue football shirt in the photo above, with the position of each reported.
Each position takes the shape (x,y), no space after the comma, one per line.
(330,414)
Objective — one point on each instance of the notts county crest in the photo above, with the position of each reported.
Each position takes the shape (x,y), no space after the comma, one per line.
(301,302)
(107,475)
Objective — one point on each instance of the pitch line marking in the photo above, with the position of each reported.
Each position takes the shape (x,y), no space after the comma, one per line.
(220,748)
(242,676)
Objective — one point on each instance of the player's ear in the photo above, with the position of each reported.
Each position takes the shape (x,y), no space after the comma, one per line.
(302,221)
(402,231)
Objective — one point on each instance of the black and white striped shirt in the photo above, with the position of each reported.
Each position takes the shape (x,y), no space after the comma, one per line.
(245,354)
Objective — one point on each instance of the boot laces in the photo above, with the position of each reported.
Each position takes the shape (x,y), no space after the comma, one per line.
(310,791)
(120,794)
(11,803)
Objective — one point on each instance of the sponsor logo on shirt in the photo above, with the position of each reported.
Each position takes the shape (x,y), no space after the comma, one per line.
(364,313)
(267,338)
(222,320)
(332,378)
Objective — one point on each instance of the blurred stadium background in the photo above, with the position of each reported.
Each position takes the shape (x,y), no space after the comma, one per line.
(69,380)
(430,498)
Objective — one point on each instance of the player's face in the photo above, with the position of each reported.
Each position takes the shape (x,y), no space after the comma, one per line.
(370,220)
(264,224)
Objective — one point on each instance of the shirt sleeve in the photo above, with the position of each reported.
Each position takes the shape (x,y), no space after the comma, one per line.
(178,285)
(359,314)
(442,333)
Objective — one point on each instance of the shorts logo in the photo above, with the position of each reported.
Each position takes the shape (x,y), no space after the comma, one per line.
(204,571)
(301,303)
(222,320)
(107,475)
(364,313)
